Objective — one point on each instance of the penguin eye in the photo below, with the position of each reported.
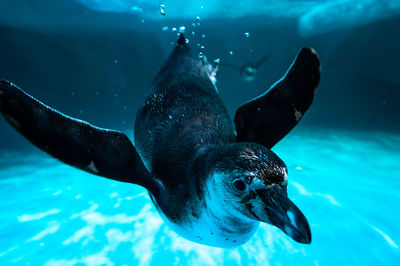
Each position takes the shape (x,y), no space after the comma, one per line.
(239,185)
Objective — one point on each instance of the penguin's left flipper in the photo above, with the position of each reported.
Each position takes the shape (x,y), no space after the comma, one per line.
(269,117)
(99,151)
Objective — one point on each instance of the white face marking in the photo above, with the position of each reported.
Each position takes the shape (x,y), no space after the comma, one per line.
(220,223)
(92,168)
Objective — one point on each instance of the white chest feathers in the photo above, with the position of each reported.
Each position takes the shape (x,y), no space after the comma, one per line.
(218,223)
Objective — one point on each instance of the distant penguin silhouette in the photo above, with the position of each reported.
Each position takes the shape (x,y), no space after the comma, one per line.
(248,71)
(212,180)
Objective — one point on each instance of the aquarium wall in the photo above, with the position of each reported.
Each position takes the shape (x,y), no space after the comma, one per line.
(96,59)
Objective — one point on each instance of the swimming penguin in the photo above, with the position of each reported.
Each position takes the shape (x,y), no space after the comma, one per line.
(248,71)
(212,180)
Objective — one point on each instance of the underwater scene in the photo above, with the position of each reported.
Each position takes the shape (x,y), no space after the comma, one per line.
(217,133)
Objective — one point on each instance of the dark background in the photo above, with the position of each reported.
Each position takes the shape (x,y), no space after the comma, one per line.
(70,64)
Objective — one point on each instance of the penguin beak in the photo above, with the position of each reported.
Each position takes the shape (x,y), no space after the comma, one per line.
(277,209)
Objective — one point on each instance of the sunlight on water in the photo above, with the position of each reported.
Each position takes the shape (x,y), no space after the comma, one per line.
(315,16)
(346,183)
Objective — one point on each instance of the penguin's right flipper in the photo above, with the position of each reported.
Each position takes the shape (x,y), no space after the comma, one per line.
(262,60)
(269,117)
(99,151)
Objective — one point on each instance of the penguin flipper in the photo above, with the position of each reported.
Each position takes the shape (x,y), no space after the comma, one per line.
(75,142)
(262,60)
(269,117)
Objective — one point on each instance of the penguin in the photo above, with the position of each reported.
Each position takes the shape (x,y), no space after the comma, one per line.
(212,179)
(248,71)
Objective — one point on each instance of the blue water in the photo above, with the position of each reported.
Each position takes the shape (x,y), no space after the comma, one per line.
(314,16)
(345,182)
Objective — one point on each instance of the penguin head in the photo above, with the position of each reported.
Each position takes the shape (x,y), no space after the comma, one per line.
(251,180)
(248,72)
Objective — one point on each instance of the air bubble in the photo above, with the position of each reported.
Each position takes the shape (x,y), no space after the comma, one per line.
(182,29)
(162,10)
(165,28)
(136,9)
(201,55)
